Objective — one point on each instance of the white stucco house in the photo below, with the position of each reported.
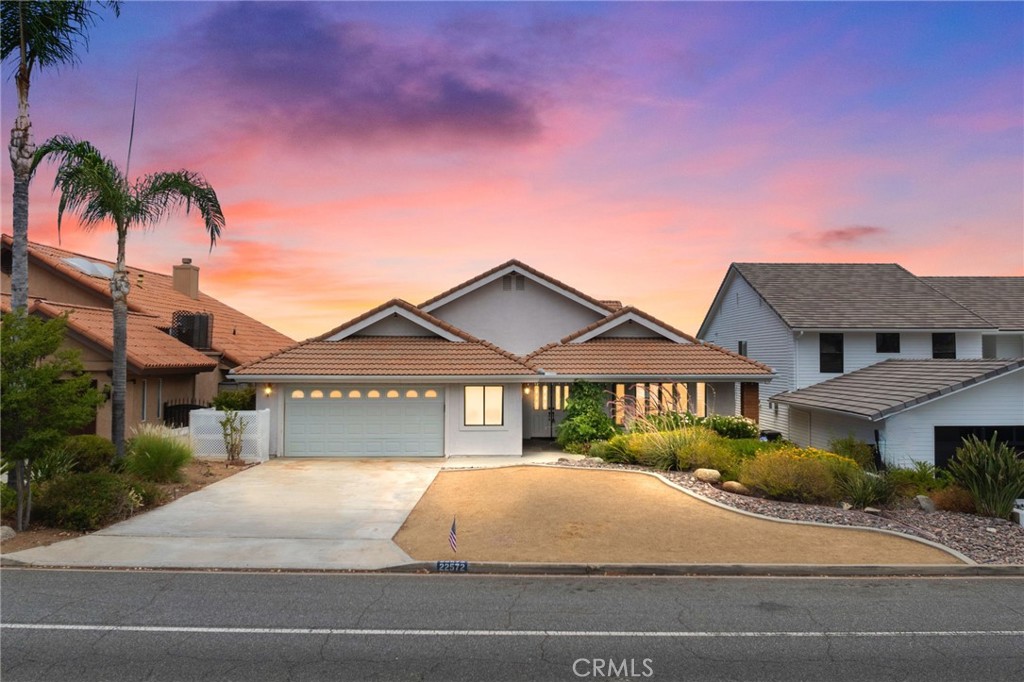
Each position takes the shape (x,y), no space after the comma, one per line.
(479,368)
(910,364)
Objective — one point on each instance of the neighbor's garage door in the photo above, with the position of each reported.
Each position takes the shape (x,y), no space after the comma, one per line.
(364,421)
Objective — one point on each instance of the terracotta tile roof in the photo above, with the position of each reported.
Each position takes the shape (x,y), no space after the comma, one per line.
(239,337)
(525,268)
(388,356)
(611,304)
(854,296)
(892,386)
(644,357)
(149,348)
(1000,300)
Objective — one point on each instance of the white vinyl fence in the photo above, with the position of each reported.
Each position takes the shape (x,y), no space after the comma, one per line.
(208,438)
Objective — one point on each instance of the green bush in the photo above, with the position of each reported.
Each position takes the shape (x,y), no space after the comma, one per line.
(921,479)
(992,472)
(790,474)
(702,448)
(614,450)
(155,454)
(746,448)
(86,502)
(148,492)
(54,463)
(91,453)
(585,419)
(865,489)
(860,452)
(730,426)
(8,500)
(237,400)
(666,421)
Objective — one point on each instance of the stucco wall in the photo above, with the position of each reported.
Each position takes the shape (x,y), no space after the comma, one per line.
(44,283)
(484,440)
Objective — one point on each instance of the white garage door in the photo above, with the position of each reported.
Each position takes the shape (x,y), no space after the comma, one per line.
(364,421)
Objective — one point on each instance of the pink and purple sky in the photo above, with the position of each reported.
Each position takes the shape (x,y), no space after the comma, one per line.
(368,151)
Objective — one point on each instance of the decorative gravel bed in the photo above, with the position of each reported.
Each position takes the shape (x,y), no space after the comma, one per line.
(982,539)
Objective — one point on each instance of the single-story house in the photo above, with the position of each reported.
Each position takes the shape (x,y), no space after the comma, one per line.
(481,367)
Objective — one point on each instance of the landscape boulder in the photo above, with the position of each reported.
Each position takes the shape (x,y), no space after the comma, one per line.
(707,475)
(925,503)
(6,533)
(735,487)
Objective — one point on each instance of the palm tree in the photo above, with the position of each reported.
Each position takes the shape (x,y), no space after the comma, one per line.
(92,186)
(43,34)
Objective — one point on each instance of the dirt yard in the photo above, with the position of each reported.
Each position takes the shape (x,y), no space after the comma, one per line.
(540,514)
(197,475)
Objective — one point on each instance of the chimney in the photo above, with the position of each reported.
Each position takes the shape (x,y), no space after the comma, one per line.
(186,278)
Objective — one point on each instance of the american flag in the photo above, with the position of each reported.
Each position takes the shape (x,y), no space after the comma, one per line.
(452,539)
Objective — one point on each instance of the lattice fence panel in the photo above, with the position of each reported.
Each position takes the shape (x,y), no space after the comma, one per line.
(208,438)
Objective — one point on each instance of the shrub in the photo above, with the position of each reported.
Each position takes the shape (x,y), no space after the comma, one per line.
(91,452)
(615,450)
(746,448)
(730,426)
(54,463)
(585,419)
(666,421)
(953,498)
(8,500)
(149,493)
(156,454)
(702,448)
(86,502)
(789,474)
(921,479)
(865,489)
(860,452)
(992,472)
(237,400)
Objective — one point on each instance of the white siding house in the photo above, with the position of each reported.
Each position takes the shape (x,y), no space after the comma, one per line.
(815,322)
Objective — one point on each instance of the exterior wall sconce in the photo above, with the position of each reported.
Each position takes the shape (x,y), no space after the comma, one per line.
(526,390)
(267,390)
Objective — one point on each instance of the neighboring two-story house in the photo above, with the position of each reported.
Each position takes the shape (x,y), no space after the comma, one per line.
(181,341)
(911,364)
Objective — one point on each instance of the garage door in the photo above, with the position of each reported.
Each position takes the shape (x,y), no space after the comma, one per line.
(364,421)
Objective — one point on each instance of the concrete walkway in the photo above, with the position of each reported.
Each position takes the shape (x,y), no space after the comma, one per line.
(332,514)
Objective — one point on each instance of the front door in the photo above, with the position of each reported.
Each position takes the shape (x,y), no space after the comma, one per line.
(543,409)
(749,406)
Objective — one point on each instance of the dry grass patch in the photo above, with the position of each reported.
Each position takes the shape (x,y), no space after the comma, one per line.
(541,514)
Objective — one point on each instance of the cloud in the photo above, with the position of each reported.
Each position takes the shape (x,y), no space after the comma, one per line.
(291,69)
(851,234)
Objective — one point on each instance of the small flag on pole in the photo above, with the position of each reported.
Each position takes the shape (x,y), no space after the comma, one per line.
(452,539)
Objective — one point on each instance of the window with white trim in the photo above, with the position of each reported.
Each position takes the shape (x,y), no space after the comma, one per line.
(483,405)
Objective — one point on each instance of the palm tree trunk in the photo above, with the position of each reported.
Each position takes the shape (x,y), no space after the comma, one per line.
(119,287)
(21,150)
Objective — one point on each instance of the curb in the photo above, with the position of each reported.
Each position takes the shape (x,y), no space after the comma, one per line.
(725,570)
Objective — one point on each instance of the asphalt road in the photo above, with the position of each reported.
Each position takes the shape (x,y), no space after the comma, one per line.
(82,625)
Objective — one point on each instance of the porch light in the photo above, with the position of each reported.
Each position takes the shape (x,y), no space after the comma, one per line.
(267,390)
(526,390)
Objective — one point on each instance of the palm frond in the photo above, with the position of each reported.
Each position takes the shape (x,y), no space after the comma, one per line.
(53,29)
(160,193)
(90,184)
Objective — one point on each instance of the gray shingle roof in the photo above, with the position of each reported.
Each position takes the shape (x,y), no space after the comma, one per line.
(855,296)
(892,386)
(1000,300)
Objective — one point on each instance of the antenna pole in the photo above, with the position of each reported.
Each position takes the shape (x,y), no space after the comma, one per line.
(131,135)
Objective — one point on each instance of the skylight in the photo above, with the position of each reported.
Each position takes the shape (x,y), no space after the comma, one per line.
(90,268)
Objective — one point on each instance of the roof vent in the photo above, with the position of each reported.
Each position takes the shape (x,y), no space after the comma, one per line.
(193,329)
(91,268)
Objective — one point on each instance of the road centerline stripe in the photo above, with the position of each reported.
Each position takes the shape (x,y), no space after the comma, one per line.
(399,632)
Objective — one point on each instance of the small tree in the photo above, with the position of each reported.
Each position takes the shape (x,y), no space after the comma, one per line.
(44,394)
(585,419)
(233,429)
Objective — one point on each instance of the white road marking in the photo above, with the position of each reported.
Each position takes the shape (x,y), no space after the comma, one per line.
(500,633)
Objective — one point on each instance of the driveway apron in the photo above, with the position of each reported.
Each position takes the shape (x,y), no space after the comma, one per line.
(286,513)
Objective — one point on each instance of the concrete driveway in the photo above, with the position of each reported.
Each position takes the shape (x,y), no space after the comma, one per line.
(286,513)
